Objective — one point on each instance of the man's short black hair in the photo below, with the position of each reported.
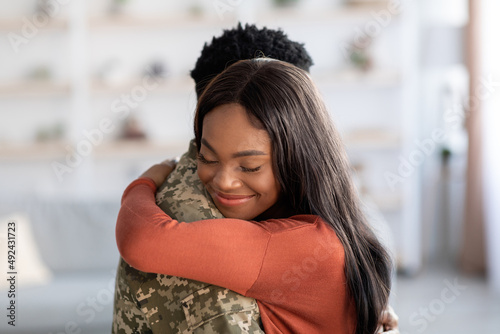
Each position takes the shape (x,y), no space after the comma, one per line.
(246,43)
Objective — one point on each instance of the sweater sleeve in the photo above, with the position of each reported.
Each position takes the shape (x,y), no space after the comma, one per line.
(225,252)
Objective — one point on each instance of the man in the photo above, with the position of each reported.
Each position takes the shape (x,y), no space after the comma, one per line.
(154,303)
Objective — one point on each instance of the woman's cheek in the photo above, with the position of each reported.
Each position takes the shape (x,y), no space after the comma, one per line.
(265,184)
(203,173)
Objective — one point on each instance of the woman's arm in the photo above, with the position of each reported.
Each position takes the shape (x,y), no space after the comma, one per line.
(224,252)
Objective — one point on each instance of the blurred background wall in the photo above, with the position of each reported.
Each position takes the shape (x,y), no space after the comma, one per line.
(93,92)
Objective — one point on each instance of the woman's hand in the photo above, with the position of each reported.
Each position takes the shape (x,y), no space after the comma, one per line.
(389,322)
(159,172)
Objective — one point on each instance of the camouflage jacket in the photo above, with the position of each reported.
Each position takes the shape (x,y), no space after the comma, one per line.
(155,303)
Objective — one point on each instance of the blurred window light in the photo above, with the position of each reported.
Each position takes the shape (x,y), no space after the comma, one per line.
(443,45)
(449,12)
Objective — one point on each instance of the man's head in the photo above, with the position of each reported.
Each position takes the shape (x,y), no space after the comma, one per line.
(246,43)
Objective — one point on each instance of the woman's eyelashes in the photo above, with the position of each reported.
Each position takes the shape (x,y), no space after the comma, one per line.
(250,170)
(205,161)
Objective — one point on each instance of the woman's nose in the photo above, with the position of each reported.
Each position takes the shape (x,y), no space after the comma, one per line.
(225,180)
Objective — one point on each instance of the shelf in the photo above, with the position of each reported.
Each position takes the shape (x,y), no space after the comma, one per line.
(372,139)
(169,85)
(351,14)
(34,88)
(134,149)
(387,202)
(122,149)
(165,22)
(15,25)
(350,78)
(49,150)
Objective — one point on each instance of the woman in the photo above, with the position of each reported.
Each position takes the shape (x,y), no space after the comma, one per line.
(268,153)
(182,196)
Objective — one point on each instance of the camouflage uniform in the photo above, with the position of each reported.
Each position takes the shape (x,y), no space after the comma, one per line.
(155,303)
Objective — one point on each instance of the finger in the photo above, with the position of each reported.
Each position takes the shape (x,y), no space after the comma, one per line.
(392,313)
(389,318)
(169,162)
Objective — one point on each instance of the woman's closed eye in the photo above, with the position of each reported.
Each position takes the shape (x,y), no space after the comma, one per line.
(205,161)
(250,170)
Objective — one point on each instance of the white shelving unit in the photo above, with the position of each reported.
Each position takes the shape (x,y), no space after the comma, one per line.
(362,104)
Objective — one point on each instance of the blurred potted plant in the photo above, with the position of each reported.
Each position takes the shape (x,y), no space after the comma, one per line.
(116,6)
(285,3)
(359,54)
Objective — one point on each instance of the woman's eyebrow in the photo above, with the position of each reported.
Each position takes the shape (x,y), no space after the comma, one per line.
(205,142)
(237,154)
(248,153)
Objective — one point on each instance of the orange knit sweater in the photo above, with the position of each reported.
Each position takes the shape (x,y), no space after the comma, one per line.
(293,267)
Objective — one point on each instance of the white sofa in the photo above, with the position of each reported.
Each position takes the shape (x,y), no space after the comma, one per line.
(66,261)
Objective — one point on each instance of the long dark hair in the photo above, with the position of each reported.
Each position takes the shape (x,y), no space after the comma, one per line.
(311,166)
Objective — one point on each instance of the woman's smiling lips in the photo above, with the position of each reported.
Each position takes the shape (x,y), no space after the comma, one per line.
(232,200)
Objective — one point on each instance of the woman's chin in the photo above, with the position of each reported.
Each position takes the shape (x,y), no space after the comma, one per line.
(235,214)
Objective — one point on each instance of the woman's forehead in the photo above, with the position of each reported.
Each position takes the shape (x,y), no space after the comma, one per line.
(229,126)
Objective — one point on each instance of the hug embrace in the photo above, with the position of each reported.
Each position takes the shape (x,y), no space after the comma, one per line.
(281,224)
